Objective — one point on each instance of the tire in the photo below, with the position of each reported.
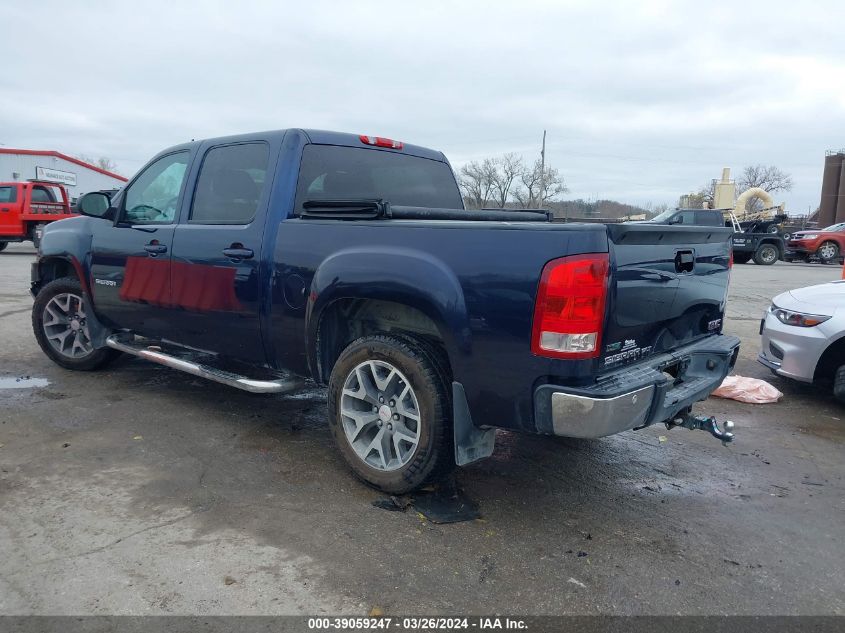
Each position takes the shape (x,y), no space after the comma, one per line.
(766,255)
(36,231)
(3,246)
(63,303)
(828,253)
(839,384)
(405,372)
(742,258)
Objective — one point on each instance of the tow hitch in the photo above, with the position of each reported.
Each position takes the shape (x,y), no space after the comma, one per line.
(702,423)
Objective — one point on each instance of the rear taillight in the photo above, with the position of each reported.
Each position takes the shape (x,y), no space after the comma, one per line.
(731,259)
(569,310)
(380,141)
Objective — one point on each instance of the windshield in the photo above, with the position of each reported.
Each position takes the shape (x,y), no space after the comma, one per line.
(836,227)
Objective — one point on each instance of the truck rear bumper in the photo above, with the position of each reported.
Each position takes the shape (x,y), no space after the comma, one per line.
(651,391)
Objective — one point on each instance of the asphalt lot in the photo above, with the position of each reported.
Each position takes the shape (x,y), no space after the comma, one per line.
(141,490)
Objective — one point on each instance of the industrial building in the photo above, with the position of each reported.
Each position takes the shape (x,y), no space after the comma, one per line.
(832,205)
(76,175)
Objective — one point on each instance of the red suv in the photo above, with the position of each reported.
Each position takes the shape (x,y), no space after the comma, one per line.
(826,244)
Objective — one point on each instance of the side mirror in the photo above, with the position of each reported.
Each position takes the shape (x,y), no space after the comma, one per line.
(96,205)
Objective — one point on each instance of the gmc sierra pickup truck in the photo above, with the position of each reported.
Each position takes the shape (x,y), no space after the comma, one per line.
(259,260)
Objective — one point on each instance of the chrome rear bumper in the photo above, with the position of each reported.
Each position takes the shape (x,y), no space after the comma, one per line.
(581,416)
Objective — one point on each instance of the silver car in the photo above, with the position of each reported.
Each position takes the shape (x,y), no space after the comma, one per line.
(803,335)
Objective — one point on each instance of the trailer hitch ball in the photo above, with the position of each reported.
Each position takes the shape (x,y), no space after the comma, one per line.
(703,423)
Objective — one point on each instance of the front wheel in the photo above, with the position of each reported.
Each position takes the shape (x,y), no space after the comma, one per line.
(3,246)
(60,325)
(766,255)
(839,384)
(828,253)
(390,413)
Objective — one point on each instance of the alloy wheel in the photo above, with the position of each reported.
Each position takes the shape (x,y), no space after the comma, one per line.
(380,415)
(65,324)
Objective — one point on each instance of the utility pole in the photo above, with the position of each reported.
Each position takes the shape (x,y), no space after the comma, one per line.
(543,156)
(543,168)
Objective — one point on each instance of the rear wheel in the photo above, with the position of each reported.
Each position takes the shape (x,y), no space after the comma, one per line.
(766,255)
(37,231)
(3,246)
(390,413)
(60,325)
(828,253)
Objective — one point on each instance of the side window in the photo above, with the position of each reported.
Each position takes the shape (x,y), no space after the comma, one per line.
(685,217)
(153,198)
(230,184)
(41,194)
(8,194)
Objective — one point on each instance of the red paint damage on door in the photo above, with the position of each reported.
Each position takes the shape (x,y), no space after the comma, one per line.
(194,287)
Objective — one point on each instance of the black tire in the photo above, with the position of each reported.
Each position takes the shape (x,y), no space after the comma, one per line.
(3,246)
(742,258)
(96,359)
(433,457)
(36,231)
(831,255)
(766,255)
(839,384)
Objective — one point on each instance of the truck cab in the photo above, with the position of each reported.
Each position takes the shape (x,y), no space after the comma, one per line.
(25,207)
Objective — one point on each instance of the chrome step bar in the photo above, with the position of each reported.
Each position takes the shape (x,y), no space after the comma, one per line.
(126,343)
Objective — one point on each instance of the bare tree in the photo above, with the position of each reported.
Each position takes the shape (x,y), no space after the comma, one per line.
(508,168)
(477,181)
(104,162)
(539,186)
(767,177)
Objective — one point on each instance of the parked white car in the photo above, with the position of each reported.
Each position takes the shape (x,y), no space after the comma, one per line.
(803,335)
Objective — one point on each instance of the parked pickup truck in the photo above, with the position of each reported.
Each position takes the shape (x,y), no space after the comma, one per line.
(259,260)
(758,240)
(26,207)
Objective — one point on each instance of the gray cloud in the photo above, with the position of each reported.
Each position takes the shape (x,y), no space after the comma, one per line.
(642,100)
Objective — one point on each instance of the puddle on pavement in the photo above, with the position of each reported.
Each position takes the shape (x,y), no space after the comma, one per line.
(22,382)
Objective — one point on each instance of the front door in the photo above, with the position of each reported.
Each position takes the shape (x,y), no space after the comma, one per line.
(130,265)
(217,251)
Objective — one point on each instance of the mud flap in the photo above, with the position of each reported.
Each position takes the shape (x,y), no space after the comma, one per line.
(471,442)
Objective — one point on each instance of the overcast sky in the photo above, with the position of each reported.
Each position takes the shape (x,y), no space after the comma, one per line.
(642,100)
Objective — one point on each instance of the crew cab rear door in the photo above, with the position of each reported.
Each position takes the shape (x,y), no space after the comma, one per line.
(10,223)
(217,247)
(669,287)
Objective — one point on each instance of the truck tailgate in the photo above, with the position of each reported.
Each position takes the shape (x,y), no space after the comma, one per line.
(668,288)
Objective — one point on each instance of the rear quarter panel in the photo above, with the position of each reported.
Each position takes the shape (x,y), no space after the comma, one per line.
(476,280)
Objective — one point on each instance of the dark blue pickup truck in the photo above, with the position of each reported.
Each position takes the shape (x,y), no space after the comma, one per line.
(262,259)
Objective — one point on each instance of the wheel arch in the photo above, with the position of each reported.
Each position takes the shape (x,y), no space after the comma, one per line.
(383,290)
(54,267)
(830,359)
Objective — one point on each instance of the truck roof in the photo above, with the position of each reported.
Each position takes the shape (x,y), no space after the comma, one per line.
(321,137)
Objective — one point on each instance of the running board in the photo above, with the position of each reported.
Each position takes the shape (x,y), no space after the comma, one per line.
(126,344)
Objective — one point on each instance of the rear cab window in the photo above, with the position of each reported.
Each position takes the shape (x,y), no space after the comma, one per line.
(332,172)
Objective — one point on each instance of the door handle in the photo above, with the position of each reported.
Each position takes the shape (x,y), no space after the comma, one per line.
(154,248)
(237,251)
